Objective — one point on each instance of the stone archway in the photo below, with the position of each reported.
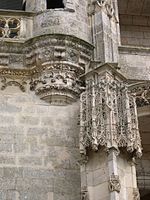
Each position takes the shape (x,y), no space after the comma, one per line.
(141,90)
(143,165)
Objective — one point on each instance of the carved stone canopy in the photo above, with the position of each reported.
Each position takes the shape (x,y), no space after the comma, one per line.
(108,113)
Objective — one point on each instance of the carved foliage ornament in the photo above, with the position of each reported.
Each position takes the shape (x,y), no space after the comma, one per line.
(9,27)
(108,116)
(114,183)
(142,93)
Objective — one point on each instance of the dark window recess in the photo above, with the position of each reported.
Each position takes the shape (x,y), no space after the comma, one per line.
(52,4)
(24,6)
(12,4)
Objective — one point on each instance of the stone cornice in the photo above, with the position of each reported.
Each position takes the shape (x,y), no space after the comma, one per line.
(134,50)
(17,13)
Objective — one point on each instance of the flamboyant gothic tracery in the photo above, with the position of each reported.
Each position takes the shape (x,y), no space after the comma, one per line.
(9,27)
(108,116)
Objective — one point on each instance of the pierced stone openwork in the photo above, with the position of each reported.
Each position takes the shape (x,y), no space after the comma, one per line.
(9,27)
(108,116)
(58,83)
(141,91)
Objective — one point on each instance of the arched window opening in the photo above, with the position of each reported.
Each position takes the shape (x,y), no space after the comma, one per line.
(12,4)
(52,4)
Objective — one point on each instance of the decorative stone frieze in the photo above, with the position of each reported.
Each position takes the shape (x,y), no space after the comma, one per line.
(9,27)
(114,183)
(141,90)
(10,82)
(108,115)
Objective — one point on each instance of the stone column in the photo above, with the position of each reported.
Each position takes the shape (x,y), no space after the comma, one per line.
(105,29)
(109,136)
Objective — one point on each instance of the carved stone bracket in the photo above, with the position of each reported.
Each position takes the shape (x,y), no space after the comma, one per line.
(58,83)
(114,183)
(84,194)
(108,115)
(136,194)
(53,65)
(141,91)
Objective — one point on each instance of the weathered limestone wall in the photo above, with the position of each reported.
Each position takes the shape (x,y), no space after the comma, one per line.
(135,30)
(97,176)
(38,149)
(65,21)
(97,173)
(135,35)
(127,174)
(134,62)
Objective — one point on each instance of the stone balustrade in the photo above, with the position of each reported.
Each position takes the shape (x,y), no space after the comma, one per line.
(16,25)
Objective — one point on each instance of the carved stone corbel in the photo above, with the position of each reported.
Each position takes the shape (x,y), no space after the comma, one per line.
(136,194)
(141,91)
(114,183)
(84,194)
(53,65)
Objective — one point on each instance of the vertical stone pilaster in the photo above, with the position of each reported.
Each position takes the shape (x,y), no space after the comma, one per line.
(114,181)
(103,15)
